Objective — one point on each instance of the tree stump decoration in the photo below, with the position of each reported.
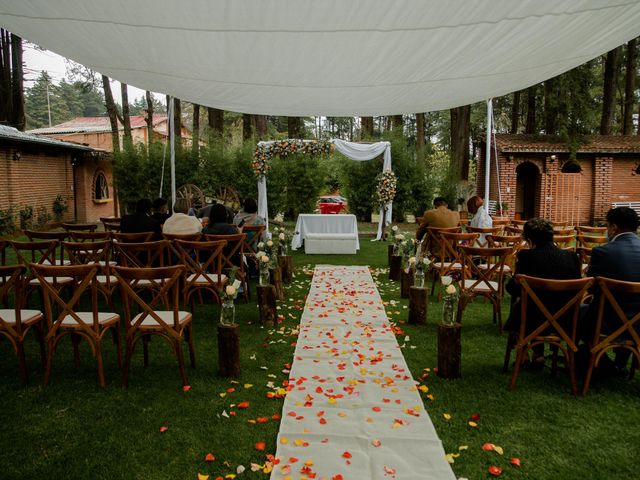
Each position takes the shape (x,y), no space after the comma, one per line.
(418,302)
(449,351)
(406,281)
(395,267)
(286,266)
(389,253)
(267,305)
(229,350)
(276,281)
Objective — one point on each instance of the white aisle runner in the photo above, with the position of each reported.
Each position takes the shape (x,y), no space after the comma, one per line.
(353,411)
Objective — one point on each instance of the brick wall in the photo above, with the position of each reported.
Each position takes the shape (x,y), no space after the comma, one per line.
(35,179)
(602,174)
(625,182)
(90,209)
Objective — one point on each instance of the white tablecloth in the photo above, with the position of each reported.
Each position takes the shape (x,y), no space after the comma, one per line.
(317,223)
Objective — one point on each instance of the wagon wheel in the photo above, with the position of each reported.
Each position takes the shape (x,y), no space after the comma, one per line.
(193,195)
(229,196)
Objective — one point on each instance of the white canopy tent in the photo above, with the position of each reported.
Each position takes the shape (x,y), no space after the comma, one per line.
(354,151)
(327,57)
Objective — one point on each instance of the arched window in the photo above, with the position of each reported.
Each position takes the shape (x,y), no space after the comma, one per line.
(100,187)
(638,169)
(571,166)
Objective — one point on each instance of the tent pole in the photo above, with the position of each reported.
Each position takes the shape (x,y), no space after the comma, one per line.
(487,160)
(172,141)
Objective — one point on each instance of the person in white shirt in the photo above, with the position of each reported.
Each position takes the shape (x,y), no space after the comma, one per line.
(481,218)
(180,223)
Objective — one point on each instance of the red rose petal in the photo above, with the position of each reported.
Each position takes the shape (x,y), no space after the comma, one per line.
(495,471)
(347,454)
(209,457)
(163,429)
(260,446)
(515,462)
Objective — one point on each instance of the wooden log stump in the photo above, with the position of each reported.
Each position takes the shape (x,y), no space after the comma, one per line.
(276,281)
(406,281)
(395,267)
(267,304)
(449,351)
(418,303)
(286,266)
(389,253)
(229,350)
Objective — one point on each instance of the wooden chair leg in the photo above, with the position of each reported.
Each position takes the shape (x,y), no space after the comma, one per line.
(192,351)
(183,372)
(587,378)
(22,361)
(516,368)
(115,332)
(511,342)
(101,379)
(48,365)
(127,362)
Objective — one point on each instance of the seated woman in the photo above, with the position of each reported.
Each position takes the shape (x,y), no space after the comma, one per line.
(248,215)
(544,260)
(180,223)
(218,222)
(481,218)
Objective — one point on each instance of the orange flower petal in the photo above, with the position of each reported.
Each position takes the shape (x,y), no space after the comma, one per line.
(209,457)
(260,446)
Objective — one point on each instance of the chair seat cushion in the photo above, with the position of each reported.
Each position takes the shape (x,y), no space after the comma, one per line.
(485,266)
(102,279)
(482,286)
(104,318)
(439,265)
(27,317)
(58,280)
(167,316)
(202,281)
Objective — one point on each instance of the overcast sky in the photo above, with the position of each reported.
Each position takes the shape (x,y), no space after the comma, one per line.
(35,61)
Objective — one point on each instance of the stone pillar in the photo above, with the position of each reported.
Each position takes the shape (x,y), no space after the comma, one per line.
(602,173)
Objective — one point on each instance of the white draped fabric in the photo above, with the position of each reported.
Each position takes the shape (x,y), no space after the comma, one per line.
(327,57)
(354,409)
(263,209)
(369,151)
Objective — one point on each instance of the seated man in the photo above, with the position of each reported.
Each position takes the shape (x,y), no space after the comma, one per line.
(619,259)
(141,220)
(439,216)
(180,223)
(160,210)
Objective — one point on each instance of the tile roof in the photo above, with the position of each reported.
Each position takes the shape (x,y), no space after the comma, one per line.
(10,133)
(554,144)
(95,124)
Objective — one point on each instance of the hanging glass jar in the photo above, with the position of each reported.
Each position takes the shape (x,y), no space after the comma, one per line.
(418,278)
(228,312)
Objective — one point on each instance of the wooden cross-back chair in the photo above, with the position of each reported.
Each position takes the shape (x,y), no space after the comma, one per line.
(564,231)
(565,242)
(80,227)
(589,241)
(82,236)
(518,223)
(189,237)
(16,322)
(449,259)
(560,223)
(143,319)
(591,231)
(513,229)
(557,328)
(203,262)
(59,236)
(430,244)
(514,242)
(483,232)
(233,257)
(82,253)
(66,317)
(111,224)
(132,237)
(40,253)
(622,327)
(254,237)
(487,282)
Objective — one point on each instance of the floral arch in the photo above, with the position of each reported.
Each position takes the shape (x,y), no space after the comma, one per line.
(386,188)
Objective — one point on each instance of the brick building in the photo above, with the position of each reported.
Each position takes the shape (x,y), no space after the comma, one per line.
(34,170)
(95,132)
(538,178)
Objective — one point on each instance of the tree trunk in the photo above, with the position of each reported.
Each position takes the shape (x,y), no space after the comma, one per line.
(550,107)
(127,140)
(5,78)
(418,304)
(17,117)
(294,127)
(515,112)
(530,126)
(460,132)
(420,132)
(261,126)
(247,126)
(366,127)
(112,111)
(149,118)
(398,122)
(629,88)
(216,121)
(195,131)
(609,91)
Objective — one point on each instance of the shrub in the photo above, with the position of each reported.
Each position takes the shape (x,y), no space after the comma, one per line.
(43,216)
(60,206)
(7,221)
(26,217)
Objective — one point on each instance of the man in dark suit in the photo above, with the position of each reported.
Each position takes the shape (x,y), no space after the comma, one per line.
(619,259)
(141,220)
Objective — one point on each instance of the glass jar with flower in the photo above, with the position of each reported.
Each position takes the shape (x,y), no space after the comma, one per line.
(449,300)
(398,238)
(283,242)
(264,261)
(421,264)
(228,311)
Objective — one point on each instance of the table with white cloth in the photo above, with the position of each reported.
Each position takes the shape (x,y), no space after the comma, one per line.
(338,224)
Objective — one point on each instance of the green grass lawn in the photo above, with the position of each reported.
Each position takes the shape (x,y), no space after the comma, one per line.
(74,429)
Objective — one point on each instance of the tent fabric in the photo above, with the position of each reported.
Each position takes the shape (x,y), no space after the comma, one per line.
(327,57)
